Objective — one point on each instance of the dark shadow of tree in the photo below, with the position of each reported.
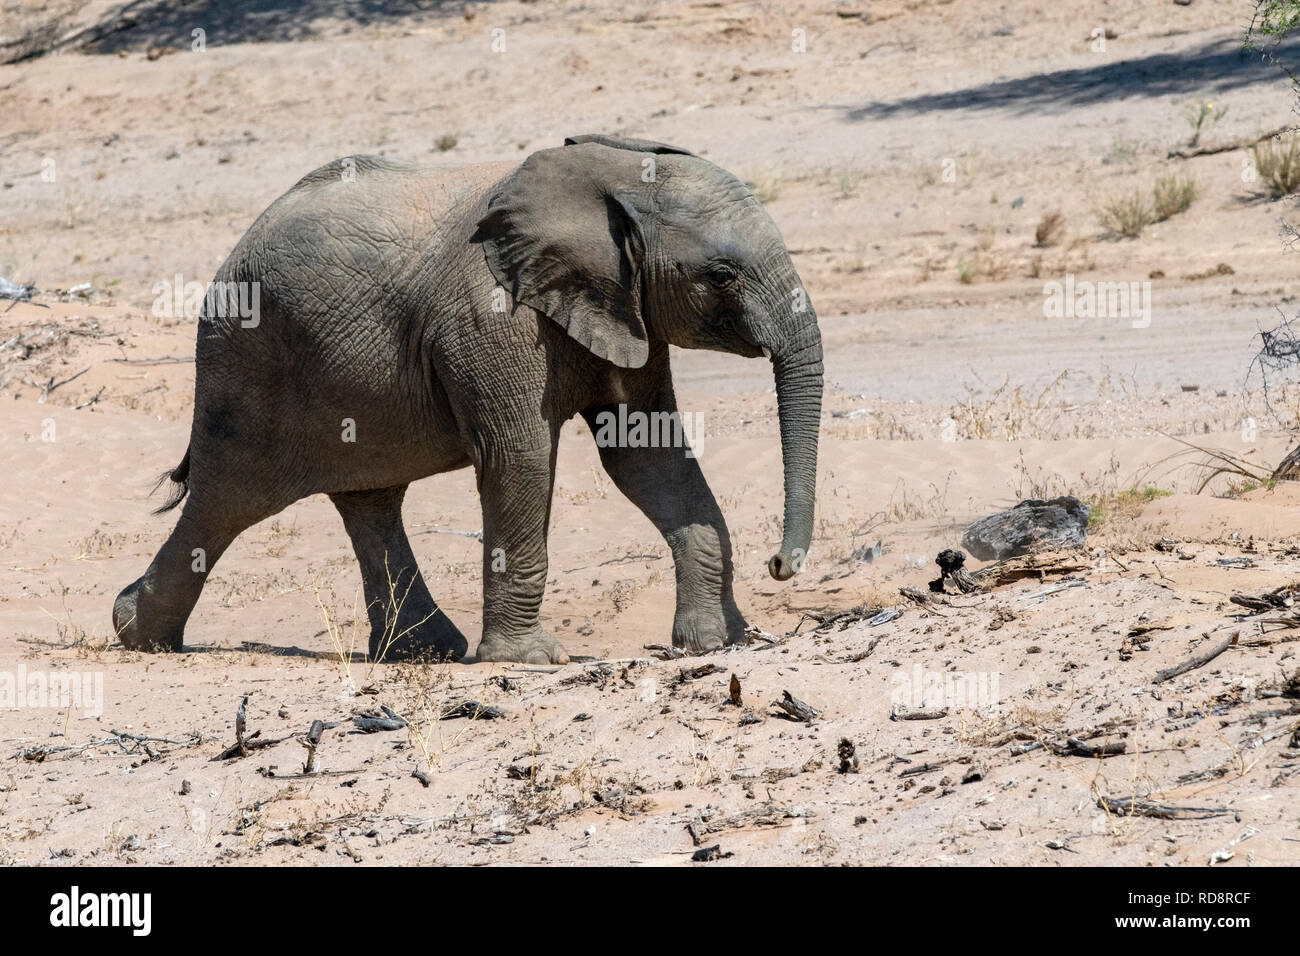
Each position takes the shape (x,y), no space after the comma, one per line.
(171,23)
(1215,68)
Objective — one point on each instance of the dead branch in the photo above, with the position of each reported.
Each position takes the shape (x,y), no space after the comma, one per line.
(1195,661)
(796,709)
(1244,142)
(901,712)
(1139,807)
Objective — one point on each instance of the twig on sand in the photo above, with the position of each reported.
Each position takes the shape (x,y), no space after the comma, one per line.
(130,743)
(1074,747)
(1038,597)
(51,385)
(1036,565)
(902,712)
(1196,660)
(688,674)
(97,397)
(243,745)
(923,768)
(311,742)
(476,535)
(796,709)
(1242,143)
(864,654)
(755,633)
(666,651)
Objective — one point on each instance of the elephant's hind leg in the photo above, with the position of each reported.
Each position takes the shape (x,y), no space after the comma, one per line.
(405,621)
(150,613)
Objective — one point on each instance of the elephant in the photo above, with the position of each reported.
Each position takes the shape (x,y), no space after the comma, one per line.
(413,320)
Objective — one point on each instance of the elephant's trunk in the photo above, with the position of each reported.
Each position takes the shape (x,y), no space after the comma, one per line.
(798,370)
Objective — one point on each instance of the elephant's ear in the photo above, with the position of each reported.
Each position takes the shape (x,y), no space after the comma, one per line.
(621,142)
(560,237)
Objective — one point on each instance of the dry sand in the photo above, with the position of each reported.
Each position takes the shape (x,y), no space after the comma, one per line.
(163,156)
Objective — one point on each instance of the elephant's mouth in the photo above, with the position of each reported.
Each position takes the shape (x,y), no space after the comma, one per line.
(748,347)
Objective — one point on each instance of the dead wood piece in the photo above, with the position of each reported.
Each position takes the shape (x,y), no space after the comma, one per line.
(665,651)
(245,743)
(1242,143)
(254,741)
(755,633)
(1138,630)
(372,723)
(1196,660)
(311,742)
(1283,621)
(473,710)
(796,709)
(922,768)
(764,816)
(1139,807)
(129,744)
(1074,747)
(421,776)
(1038,566)
(695,673)
(903,712)
(708,854)
(1274,600)
(915,595)
(862,612)
(863,655)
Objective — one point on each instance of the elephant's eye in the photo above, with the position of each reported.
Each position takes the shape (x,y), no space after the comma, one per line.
(721,275)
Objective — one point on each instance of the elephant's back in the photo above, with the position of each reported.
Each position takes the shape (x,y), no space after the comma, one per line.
(331,265)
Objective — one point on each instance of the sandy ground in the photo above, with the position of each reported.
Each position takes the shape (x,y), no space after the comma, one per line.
(946,400)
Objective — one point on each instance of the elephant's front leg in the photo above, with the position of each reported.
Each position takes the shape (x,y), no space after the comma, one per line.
(669,488)
(515,488)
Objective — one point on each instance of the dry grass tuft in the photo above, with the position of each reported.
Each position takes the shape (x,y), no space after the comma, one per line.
(1126,215)
(1174,194)
(1277,161)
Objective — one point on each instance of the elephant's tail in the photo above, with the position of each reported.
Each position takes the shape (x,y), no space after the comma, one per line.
(178,477)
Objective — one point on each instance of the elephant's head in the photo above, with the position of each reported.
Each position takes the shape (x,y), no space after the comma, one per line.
(622,241)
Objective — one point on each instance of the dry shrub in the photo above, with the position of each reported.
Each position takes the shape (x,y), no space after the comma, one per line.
(1277,161)
(986,261)
(1126,215)
(1051,230)
(1174,194)
(1007,414)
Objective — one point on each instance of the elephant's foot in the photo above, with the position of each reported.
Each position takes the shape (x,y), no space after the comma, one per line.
(701,630)
(426,634)
(530,647)
(142,633)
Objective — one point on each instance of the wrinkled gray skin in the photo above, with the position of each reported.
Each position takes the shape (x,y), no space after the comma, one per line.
(377,294)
